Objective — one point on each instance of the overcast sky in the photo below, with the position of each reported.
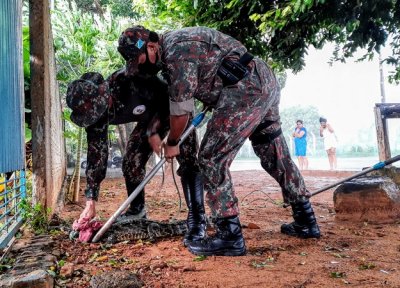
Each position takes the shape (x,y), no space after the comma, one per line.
(345,93)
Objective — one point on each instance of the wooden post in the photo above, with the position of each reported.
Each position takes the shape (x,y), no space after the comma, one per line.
(384,111)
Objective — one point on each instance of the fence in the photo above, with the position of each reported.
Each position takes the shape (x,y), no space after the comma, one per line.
(12,192)
(12,148)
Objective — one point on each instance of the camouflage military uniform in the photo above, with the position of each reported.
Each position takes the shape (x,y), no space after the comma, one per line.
(142,100)
(191,58)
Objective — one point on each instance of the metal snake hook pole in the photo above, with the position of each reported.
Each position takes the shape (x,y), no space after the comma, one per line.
(195,122)
(377,166)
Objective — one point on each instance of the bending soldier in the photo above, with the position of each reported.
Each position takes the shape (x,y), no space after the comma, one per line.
(97,103)
(216,69)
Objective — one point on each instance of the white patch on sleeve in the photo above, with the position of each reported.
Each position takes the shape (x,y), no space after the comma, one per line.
(138,110)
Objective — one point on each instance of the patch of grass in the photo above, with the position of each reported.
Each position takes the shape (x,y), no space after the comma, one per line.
(7,264)
(338,255)
(113,263)
(35,216)
(52,273)
(199,258)
(61,263)
(106,246)
(278,203)
(93,257)
(55,232)
(172,262)
(260,264)
(366,266)
(338,274)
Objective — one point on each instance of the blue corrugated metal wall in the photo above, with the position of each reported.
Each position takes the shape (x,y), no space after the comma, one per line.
(11,87)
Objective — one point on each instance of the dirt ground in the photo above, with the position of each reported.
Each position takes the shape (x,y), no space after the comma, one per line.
(347,255)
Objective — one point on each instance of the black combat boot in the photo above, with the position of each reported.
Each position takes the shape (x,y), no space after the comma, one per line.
(192,184)
(137,207)
(228,240)
(304,225)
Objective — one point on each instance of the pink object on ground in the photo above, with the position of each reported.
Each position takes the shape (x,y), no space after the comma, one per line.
(87,228)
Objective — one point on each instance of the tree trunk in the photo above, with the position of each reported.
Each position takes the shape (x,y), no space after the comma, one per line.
(124,130)
(48,150)
(77,179)
(121,139)
(99,10)
(73,189)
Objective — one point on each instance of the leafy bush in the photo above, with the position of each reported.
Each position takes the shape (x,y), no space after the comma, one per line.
(35,216)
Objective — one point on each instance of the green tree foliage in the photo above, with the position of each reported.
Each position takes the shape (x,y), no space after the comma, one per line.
(290,27)
(83,43)
(230,17)
(122,8)
(26,56)
(89,6)
(27,81)
(283,30)
(233,18)
(118,8)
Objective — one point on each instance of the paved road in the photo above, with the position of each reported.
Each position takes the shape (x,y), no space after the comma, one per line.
(344,164)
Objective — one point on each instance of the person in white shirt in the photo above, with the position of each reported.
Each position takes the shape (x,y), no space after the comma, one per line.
(330,142)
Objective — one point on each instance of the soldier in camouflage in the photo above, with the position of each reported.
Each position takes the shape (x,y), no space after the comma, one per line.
(96,104)
(216,69)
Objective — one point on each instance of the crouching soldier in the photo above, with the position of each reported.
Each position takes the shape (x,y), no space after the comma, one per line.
(216,69)
(97,103)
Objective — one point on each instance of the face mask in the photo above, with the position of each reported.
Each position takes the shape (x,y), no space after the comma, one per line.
(148,67)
